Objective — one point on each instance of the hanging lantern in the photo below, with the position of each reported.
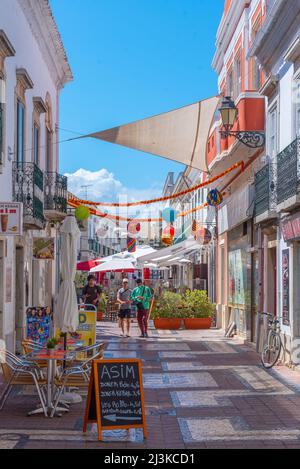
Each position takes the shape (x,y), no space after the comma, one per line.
(169,231)
(131,244)
(169,215)
(133,227)
(102,231)
(214,198)
(82,212)
(203,235)
(167,240)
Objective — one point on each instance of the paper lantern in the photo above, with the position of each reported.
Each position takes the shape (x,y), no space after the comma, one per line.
(169,215)
(169,231)
(82,212)
(131,244)
(214,198)
(167,240)
(133,227)
(203,235)
(102,231)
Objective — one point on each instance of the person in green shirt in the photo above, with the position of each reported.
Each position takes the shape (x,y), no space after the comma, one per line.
(142,295)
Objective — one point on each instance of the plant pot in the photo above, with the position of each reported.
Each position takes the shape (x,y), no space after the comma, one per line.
(99,315)
(167,323)
(197,323)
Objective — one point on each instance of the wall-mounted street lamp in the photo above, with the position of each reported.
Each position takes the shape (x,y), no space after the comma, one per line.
(229,113)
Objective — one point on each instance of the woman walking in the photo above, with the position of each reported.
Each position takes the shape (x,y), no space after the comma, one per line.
(124,300)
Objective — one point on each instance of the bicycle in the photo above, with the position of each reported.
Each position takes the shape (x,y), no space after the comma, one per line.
(273,344)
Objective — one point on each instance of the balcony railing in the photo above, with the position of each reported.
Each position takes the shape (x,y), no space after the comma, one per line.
(28,188)
(55,192)
(288,172)
(265,190)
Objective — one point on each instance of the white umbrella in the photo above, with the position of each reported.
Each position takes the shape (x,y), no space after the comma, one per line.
(114,265)
(66,306)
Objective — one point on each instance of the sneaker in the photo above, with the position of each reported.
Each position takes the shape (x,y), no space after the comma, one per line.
(142,335)
(127,335)
(146,335)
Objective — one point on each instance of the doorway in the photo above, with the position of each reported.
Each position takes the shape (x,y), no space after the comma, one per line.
(19,298)
(1,290)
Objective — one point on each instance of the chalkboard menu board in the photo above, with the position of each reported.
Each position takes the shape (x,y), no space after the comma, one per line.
(116,398)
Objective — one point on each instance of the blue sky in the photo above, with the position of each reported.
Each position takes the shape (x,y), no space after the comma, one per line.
(130,59)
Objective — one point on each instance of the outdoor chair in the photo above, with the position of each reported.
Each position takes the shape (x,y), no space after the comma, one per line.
(21,372)
(77,374)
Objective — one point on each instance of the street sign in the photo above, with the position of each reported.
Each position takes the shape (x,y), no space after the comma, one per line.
(11,219)
(116,398)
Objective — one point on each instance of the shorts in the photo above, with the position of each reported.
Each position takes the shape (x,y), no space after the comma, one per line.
(124,313)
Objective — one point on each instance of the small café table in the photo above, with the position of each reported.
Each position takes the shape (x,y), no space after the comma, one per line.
(51,357)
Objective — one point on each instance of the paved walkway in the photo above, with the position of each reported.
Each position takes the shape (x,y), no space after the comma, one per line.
(201,391)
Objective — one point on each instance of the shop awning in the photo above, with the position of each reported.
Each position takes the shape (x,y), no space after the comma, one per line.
(88,265)
(179,135)
(176,254)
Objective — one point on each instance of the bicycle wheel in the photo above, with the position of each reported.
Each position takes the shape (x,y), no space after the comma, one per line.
(271,351)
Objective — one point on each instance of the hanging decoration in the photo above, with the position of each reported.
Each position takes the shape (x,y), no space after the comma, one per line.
(240,164)
(133,227)
(169,230)
(214,198)
(131,244)
(167,240)
(203,236)
(169,215)
(82,212)
(102,231)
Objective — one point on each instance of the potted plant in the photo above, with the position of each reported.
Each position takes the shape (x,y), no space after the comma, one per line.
(168,311)
(101,306)
(51,344)
(200,310)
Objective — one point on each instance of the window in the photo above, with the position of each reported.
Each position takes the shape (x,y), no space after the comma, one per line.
(272,143)
(297,117)
(238,77)
(36,144)
(255,68)
(48,150)
(20,131)
(230,83)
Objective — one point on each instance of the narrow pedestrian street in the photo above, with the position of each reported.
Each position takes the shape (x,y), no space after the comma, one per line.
(201,391)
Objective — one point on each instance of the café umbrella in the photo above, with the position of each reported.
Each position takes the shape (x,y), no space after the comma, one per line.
(66,306)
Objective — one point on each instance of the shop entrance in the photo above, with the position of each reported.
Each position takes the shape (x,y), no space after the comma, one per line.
(19,297)
(1,289)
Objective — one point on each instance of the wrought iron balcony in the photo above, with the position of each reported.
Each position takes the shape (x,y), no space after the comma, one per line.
(288,176)
(28,188)
(265,192)
(55,195)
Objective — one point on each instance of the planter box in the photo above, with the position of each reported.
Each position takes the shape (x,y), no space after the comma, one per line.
(99,315)
(197,323)
(167,323)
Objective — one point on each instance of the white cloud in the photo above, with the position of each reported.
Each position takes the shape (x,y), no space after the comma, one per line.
(104,187)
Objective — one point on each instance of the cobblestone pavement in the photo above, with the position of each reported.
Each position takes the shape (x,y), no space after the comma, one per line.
(201,391)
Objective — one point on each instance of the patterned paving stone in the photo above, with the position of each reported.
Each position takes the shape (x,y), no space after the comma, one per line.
(147,346)
(179,380)
(229,429)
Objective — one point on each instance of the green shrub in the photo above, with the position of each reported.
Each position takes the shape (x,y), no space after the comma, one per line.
(170,305)
(198,304)
(52,343)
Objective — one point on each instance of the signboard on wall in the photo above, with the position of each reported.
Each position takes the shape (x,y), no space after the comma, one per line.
(43,248)
(11,219)
(38,324)
(285,288)
(291,228)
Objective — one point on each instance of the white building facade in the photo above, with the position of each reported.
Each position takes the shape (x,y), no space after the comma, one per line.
(33,70)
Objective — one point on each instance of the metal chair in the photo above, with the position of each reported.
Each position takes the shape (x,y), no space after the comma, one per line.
(21,372)
(77,374)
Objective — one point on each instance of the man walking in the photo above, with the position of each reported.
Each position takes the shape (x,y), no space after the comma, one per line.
(124,300)
(91,292)
(142,296)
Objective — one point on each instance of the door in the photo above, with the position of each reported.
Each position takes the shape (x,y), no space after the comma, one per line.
(1,290)
(19,297)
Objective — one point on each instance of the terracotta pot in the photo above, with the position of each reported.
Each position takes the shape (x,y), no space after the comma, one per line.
(167,323)
(99,315)
(197,323)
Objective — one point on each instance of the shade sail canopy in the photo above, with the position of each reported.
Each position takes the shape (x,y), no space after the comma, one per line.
(171,255)
(179,135)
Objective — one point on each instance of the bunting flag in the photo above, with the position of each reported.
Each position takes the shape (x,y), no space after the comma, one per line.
(131,244)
